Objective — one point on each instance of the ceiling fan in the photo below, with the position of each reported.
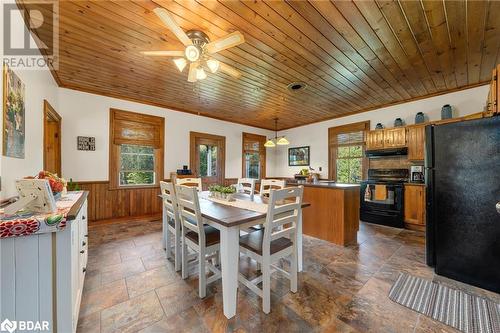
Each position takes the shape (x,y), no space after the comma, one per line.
(198,49)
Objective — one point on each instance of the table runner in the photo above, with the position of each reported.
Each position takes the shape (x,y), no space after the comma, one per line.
(28,223)
(238,203)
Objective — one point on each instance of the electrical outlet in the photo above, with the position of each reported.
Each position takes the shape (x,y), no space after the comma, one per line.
(320,169)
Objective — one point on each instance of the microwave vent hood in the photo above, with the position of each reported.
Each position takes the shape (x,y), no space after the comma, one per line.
(387,152)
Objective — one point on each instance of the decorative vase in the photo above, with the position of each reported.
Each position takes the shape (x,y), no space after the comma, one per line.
(419,118)
(446,112)
(379,126)
(398,122)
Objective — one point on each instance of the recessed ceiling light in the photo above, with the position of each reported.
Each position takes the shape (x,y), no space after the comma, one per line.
(296,86)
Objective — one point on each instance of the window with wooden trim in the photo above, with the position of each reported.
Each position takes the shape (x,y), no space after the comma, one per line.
(136,149)
(254,156)
(346,147)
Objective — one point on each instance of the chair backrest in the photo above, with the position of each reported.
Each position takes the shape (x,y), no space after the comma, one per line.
(266,185)
(191,182)
(283,213)
(246,185)
(169,200)
(189,210)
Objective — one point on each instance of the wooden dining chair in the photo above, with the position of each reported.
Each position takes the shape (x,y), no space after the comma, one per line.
(171,223)
(202,239)
(266,185)
(191,182)
(246,185)
(277,240)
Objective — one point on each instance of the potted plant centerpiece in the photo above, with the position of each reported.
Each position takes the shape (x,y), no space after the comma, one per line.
(222,192)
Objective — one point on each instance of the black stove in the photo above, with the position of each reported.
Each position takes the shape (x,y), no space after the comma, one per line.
(387,210)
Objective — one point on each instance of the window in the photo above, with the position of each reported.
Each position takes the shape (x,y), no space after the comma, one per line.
(254,156)
(346,149)
(208,160)
(137,165)
(136,149)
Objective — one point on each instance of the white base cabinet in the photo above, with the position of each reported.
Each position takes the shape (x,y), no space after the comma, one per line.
(42,276)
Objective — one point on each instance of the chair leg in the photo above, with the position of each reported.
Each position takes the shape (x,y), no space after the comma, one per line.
(266,286)
(294,268)
(202,276)
(178,254)
(168,243)
(184,257)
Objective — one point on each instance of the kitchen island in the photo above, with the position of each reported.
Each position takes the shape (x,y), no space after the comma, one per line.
(334,212)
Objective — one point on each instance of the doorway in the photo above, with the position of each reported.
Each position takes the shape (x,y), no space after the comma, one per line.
(208,157)
(51,139)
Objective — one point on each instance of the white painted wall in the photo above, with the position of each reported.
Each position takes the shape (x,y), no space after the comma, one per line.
(39,86)
(88,115)
(316,135)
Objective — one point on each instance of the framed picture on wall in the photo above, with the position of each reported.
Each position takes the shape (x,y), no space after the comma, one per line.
(299,156)
(13,114)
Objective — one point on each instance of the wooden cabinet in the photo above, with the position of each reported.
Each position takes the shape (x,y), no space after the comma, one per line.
(414,204)
(387,138)
(395,137)
(416,143)
(43,275)
(375,139)
(494,93)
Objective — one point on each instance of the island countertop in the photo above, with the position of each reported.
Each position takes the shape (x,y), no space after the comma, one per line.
(325,184)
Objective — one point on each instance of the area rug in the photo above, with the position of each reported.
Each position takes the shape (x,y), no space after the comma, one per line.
(465,312)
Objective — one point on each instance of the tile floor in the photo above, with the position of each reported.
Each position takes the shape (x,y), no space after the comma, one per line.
(131,287)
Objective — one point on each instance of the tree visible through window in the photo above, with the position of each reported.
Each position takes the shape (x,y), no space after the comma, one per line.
(349,164)
(254,156)
(137,165)
(208,161)
(346,149)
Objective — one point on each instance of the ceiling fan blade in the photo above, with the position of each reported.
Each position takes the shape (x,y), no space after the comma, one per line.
(164,53)
(229,70)
(168,20)
(192,72)
(233,39)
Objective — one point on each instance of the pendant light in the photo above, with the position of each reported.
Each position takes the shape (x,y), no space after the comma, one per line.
(282,141)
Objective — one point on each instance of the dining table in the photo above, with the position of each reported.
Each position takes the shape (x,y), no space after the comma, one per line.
(229,217)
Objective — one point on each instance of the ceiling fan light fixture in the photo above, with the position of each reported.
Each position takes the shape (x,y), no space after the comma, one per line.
(282,141)
(213,65)
(269,144)
(200,74)
(192,53)
(180,63)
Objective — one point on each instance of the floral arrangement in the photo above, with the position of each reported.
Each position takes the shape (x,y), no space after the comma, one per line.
(222,192)
(56,184)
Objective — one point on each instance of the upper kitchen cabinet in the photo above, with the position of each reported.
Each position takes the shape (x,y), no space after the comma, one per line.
(387,138)
(416,143)
(375,139)
(494,93)
(395,137)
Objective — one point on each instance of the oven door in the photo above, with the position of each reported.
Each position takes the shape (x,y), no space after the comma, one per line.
(387,212)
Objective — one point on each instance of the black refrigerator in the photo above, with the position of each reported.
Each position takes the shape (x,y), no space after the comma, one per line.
(463,189)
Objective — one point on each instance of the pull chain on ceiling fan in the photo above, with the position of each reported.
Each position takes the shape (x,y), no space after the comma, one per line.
(281,141)
(198,51)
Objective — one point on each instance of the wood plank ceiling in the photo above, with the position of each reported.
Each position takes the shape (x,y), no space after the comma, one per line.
(353,55)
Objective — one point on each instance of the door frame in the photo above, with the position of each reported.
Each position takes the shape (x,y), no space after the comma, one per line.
(50,113)
(221,167)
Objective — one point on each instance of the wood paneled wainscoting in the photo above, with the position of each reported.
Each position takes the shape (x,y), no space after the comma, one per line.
(105,203)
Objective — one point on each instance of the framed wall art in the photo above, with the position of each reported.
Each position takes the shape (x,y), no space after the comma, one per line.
(14,100)
(299,156)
